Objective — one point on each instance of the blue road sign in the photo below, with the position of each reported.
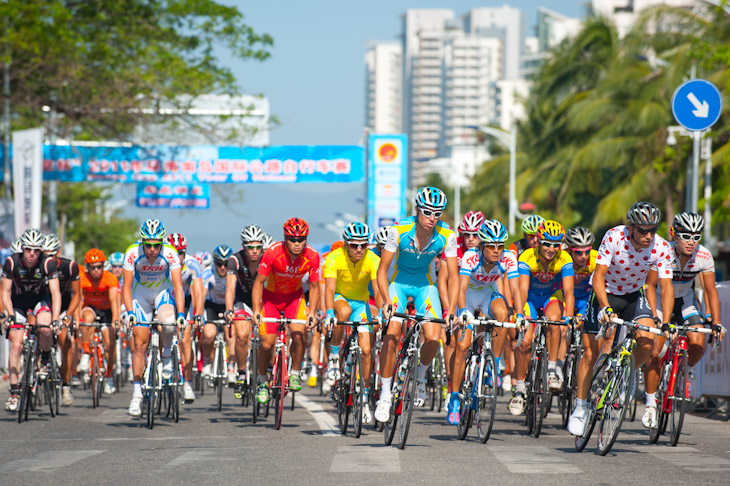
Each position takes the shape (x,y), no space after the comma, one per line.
(696,104)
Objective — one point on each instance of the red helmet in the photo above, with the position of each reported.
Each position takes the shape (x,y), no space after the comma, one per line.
(472,222)
(296,227)
(178,241)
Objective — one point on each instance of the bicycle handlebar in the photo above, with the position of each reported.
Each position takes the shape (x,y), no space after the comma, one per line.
(629,324)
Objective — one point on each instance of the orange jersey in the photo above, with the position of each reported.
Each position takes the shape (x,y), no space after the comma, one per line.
(284,273)
(97,297)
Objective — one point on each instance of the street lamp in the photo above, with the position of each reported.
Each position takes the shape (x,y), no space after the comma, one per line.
(509,140)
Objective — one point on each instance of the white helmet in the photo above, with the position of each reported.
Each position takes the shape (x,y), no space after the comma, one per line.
(15,246)
(51,243)
(268,241)
(251,233)
(688,223)
(382,235)
(32,238)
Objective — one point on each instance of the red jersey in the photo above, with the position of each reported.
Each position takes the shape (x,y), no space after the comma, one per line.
(97,296)
(460,250)
(284,273)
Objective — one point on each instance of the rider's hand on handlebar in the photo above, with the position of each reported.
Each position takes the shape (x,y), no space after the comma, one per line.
(181,321)
(228,315)
(520,321)
(605,315)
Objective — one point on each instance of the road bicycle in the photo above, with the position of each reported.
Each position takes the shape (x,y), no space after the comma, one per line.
(97,360)
(567,394)
(405,370)
(673,391)
(478,391)
(436,381)
(609,394)
(34,377)
(279,379)
(219,370)
(375,377)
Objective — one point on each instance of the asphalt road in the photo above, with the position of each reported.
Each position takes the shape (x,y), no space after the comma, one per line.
(105,446)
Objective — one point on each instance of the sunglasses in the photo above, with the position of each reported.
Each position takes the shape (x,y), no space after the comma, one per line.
(254,247)
(150,246)
(358,246)
(221,264)
(181,252)
(494,247)
(646,231)
(297,239)
(581,252)
(550,244)
(117,266)
(96,266)
(428,213)
(689,237)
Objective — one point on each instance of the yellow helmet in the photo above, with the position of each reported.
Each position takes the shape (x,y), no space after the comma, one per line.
(551,231)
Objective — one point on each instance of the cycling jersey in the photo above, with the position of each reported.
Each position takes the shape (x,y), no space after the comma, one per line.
(683,279)
(545,282)
(409,258)
(68,272)
(583,288)
(352,278)
(191,269)
(30,285)
(155,275)
(481,279)
(460,250)
(284,272)
(627,266)
(518,247)
(238,265)
(215,286)
(96,295)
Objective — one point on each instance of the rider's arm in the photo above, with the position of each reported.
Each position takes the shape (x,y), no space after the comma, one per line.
(599,285)
(518,304)
(314,291)
(463,285)
(7,287)
(712,300)
(651,283)
(127,278)
(667,297)
(176,275)
(568,296)
(231,281)
(75,298)
(442,281)
(386,258)
(453,284)
(524,286)
(198,293)
(330,285)
(114,301)
(56,299)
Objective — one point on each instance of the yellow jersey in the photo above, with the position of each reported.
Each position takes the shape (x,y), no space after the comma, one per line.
(352,278)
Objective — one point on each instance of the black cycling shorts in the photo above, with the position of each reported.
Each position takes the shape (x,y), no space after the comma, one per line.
(628,307)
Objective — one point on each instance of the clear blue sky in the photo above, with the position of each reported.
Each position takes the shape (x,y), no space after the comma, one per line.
(315,82)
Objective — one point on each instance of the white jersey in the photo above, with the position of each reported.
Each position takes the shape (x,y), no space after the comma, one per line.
(191,270)
(700,261)
(215,286)
(480,278)
(151,276)
(627,266)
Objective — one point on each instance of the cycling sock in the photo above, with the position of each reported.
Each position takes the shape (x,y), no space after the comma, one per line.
(334,351)
(295,373)
(241,374)
(85,348)
(261,379)
(137,389)
(421,373)
(385,388)
(559,364)
(559,371)
(651,399)
(580,403)
(15,389)
(551,365)
(365,393)
(520,386)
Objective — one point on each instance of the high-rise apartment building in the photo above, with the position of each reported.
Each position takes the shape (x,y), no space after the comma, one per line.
(505,23)
(623,13)
(384,84)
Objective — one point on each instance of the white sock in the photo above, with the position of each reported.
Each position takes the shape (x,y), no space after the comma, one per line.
(136,390)
(551,365)
(295,373)
(421,373)
(313,371)
(651,399)
(110,381)
(580,404)
(559,372)
(385,387)
(520,386)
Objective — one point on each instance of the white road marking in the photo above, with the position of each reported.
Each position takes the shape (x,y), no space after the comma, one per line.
(350,459)
(196,456)
(532,460)
(687,458)
(326,422)
(47,461)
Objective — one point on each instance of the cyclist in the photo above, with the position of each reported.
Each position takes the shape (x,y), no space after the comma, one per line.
(205,259)
(116,261)
(152,285)
(691,260)
(544,270)
(481,287)
(348,272)
(268,241)
(240,275)
(100,290)
(414,243)
(281,270)
(317,337)
(627,258)
(214,283)
(29,288)
(381,237)
(192,284)
(529,234)
(69,283)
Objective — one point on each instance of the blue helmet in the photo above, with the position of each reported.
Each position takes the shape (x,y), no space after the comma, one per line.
(492,231)
(356,231)
(431,198)
(116,259)
(222,253)
(152,229)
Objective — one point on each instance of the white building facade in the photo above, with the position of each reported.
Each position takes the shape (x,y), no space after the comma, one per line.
(384,84)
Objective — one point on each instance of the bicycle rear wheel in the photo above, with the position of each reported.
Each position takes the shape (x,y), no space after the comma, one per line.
(441,380)
(487,397)
(342,395)
(615,405)
(594,393)
(220,381)
(679,399)
(462,428)
(280,388)
(356,392)
(409,398)
(541,394)
(54,377)
(529,402)
(175,386)
(94,381)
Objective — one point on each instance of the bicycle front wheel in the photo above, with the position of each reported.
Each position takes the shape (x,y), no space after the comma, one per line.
(615,405)
(279,389)
(594,394)
(679,399)
(356,392)
(487,397)
(94,377)
(55,383)
(662,403)
(541,394)
(175,386)
(407,404)
(462,428)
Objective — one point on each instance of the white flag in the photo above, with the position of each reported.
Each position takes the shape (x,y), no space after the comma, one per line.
(27,178)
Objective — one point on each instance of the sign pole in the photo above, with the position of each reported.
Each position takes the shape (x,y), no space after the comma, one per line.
(696,141)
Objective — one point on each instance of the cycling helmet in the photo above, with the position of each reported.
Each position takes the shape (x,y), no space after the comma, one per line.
(296,227)
(51,243)
(15,246)
(94,256)
(356,231)
(268,241)
(579,237)
(643,212)
(337,245)
(382,235)
(431,198)
(32,238)
(251,233)
(222,253)
(116,259)
(205,259)
(531,223)
(472,222)
(152,229)
(178,241)
(672,232)
(550,231)
(492,231)
(688,223)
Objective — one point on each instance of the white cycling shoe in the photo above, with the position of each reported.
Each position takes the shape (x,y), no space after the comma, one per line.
(135,407)
(577,422)
(188,393)
(382,410)
(420,394)
(367,417)
(648,420)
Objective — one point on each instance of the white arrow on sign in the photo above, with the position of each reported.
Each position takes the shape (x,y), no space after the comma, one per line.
(702,110)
